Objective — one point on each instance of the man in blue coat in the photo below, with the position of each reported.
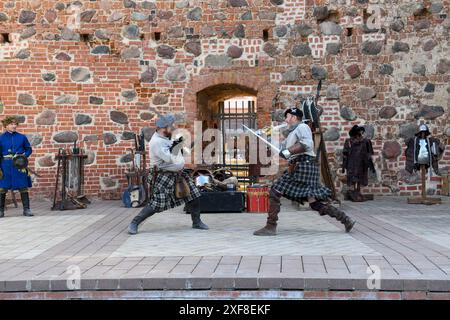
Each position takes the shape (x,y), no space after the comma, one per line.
(14,151)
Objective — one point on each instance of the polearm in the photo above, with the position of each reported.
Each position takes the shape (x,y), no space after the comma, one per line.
(262,139)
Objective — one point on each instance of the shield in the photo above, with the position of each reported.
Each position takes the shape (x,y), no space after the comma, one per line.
(20,162)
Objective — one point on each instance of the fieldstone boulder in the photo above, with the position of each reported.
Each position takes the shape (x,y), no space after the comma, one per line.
(387,112)
(429,45)
(391,150)
(419,68)
(329,28)
(131,32)
(86,16)
(408,130)
(240,31)
(332,134)
(129,95)
(146,116)
(26,99)
(132,52)
(48,76)
(385,69)
(23,54)
(109,138)
(443,66)
(69,35)
(333,47)
(51,16)
(366,93)
(238,3)
(165,51)
(447,132)
(82,119)
(247,15)
(3,17)
(63,56)
(115,16)
(90,157)
(303,30)
(403,92)
(318,72)
(91,138)
(320,12)
(429,112)
(270,49)
(27,33)
(369,131)
(65,137)
(126,158)
(102,49)
(348,114)
(277,2)
(148,133)
(193,47)
(234,52)
(128,135)
(46,161)
(267,15)
(102,34)
(35,139)
(139,16)
(292,75)
(300,50)
(280,31)
(160,99)
(400,47)
(108,183)
(353,71)
(118,117)
(175,32)
(96,100)
(176,73)
(27,16)
(80,74)
(422,24)
(46,118)
(66,99)
(195,14)
(217,61)
(333,91)
(429,87)
(371,47)
(149,76)
(397,25)
(408,178)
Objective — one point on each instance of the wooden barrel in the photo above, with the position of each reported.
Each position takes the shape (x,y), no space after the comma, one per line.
(258,199)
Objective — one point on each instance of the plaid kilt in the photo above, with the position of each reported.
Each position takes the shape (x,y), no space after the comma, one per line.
(303,183)
(162,193)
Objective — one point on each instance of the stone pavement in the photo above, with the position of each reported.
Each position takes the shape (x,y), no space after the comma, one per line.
(407,245)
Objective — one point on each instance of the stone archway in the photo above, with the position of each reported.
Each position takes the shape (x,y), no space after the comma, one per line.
(229,83)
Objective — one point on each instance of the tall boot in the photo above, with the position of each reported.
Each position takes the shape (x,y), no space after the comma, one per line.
(193,207)
(2,204)
(26,204)
(274,208)
(146,212)
(329,210)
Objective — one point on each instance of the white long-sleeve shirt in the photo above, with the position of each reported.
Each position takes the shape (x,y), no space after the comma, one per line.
(302,133)
(160,155)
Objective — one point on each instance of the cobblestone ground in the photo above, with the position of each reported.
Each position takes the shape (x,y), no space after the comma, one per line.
(409,245)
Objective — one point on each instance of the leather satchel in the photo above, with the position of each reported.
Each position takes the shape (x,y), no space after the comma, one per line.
(181,187)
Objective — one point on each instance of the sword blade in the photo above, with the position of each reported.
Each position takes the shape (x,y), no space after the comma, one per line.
(262,139)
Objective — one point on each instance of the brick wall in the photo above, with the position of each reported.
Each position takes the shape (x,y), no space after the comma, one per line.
(98,70)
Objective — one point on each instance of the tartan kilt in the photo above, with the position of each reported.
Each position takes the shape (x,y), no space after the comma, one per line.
(303,183)
(162,195)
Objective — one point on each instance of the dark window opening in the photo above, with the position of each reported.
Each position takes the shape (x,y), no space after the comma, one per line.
(85,37)
(266,35)
(157,36)
(4,38)
(349,32)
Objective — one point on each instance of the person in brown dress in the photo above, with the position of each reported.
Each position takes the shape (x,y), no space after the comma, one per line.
(357,160)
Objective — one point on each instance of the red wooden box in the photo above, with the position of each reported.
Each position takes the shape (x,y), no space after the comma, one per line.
(258,199)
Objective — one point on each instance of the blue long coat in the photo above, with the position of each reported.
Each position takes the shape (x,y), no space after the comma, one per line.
(14,143)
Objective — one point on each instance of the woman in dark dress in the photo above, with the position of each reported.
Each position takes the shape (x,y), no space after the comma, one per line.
(357,160)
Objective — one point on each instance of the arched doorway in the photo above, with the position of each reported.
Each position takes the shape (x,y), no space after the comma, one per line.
(228,107)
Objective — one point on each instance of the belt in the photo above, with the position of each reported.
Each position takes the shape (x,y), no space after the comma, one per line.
(304,158)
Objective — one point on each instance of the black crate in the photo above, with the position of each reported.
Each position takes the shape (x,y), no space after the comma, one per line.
(222,202)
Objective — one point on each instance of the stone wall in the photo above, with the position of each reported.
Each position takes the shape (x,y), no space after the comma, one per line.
(99,70)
